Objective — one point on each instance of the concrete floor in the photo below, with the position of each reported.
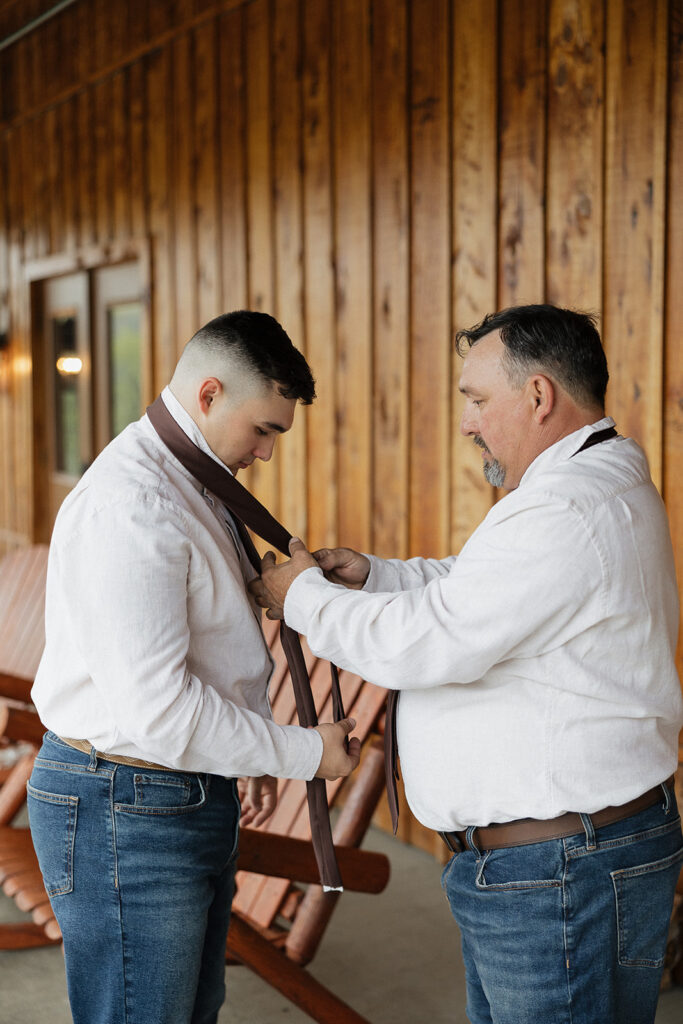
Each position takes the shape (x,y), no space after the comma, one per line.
(394,957)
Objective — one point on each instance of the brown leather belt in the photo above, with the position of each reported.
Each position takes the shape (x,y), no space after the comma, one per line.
(133,762)
(533,830)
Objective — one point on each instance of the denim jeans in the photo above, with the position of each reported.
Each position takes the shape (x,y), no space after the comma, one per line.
(139,867)
(569,931)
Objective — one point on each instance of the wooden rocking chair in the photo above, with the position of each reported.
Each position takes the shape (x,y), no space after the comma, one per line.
(22,637)
(276,925)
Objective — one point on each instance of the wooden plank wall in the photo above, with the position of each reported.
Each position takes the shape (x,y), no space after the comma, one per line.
(376,173)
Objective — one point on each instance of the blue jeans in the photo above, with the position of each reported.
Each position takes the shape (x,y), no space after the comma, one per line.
(569,931)
(139,866)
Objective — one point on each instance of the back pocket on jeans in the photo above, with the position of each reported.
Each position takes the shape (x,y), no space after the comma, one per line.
(52,817)
(644,897)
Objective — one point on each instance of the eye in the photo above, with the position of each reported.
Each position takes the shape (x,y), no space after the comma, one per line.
(261,432)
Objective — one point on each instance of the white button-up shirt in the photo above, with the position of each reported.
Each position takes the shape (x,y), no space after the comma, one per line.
(153,648)
(537,668)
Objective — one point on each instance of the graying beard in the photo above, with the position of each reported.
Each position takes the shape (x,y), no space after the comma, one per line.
(494,473)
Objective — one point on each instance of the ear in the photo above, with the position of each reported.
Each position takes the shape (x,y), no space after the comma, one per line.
(209,389)
(542,393)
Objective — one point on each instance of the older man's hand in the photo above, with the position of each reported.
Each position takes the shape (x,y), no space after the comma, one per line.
(270,590)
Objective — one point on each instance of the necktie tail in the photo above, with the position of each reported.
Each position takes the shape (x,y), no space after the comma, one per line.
(247,509)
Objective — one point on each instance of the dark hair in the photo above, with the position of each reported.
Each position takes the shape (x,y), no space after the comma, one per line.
(561,343)
(264,346)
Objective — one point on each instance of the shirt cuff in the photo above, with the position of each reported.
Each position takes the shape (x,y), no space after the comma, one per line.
(296,612)
(308,754)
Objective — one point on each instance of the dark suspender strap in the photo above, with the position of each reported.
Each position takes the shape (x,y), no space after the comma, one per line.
(246,509)
(391,756)
(596,438)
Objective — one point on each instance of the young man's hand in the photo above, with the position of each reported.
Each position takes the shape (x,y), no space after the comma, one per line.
(258,797)
(337,762)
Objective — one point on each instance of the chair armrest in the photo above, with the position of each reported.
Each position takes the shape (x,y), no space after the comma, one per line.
(283,857)
(15,687)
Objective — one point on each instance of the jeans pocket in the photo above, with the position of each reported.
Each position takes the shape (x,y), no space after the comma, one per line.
(644,897)
(52,817)
(161,794)
(536,866)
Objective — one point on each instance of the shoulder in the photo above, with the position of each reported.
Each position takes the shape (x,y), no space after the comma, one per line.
(133,479)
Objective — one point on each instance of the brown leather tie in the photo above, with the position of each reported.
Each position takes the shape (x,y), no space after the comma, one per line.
(390,741)
(246,509)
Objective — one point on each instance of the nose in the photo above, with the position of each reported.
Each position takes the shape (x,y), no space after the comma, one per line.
(264,450)
(467,423)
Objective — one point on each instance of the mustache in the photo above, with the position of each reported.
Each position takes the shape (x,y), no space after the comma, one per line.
(479,441)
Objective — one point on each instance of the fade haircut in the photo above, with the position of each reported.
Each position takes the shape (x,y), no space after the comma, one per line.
(258,343)
(559,343)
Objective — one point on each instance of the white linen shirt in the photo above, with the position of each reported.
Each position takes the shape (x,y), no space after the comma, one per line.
(537,668)
(154,649)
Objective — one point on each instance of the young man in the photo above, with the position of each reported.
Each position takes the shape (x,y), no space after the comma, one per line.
(539,710)
(153,686)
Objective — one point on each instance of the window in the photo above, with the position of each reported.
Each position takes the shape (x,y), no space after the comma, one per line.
(92,373)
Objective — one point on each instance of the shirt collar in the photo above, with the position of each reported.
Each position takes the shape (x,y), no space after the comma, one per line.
(563,449)
(185,421)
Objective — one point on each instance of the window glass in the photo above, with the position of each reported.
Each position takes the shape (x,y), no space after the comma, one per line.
(125,358)
(67,414)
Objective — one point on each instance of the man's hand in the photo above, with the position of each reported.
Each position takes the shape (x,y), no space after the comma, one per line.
(258,797)
(337,761)
(271,589)
(343,565)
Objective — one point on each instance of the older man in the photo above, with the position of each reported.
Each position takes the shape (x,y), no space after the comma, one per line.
(539,704)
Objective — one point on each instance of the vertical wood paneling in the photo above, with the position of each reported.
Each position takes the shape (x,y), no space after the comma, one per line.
(574,173)
(288,242)
(120,144)
(54,192)
(376,174)
(206,176)
(17,444)
(158,80)
(522,54)
(84,170)
(138,150)
(474,229)
(353,375)
(391,313)
(6,417)
(183,194)
(83,32)
(263,480)
(430,279)
(68,118)
(39,209)
(634,219)
(232,161)
(22,216)
(673,349)
(319,306)
(103,160)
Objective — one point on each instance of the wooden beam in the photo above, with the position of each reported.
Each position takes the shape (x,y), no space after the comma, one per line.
(266,853)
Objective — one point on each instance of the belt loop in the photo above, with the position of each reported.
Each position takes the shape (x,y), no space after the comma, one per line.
(587,823)
(667,797)
(92,763)
(451,841)
(469,839)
